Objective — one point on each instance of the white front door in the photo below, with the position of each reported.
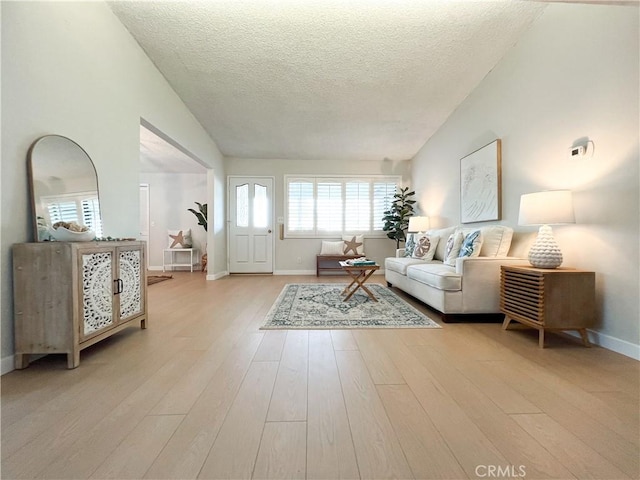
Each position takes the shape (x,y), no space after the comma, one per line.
(250,224)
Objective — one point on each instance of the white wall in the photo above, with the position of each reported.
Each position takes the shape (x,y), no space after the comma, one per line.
(71,68)
(288,251)
(170,195)
(573,75)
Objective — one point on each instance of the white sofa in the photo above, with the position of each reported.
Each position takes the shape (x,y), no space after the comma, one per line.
(471,286)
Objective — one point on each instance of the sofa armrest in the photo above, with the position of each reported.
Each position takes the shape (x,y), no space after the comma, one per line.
(480,265)
(481,281)
(400,252)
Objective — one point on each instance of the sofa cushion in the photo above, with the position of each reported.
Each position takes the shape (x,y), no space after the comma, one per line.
(471,244)
(331,248)
(425,247)
(353,245)
(496,240)
(400,264)
(452,249)
(443,233)
(409,245)
(437,275)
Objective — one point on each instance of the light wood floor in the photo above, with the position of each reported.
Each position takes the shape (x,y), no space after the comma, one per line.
(203,393)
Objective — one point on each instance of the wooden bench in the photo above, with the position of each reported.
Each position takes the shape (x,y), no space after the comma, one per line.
(331,263)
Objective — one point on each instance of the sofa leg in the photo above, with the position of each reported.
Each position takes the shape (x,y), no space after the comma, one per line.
(389,285)
(446,318)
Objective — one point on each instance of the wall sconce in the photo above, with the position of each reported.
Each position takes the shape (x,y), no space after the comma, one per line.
(546,208)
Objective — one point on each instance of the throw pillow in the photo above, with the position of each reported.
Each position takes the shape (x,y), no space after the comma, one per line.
(331,248)
(453,247)
(180,238)
(409,245)
(425,247)
(353,245)
(471,245)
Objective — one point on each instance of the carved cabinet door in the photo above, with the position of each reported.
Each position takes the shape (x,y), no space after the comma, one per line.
(130,293)
(97,275)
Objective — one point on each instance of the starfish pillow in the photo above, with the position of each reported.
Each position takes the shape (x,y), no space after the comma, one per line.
(180,238)
(353,245)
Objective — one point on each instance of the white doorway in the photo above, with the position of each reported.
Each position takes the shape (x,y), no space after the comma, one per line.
(144,217)
(250,201)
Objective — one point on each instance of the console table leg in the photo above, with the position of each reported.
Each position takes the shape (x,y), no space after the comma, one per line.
(506,322)
(73,359)
(541,337)
(585,337)
(21,361)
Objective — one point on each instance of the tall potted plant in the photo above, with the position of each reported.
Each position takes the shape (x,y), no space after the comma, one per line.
(396,219)
(201,215)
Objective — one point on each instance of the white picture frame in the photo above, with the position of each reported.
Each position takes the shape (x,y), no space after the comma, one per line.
(480,184)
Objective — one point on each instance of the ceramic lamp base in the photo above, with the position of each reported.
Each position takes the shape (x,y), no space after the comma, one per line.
(545,252)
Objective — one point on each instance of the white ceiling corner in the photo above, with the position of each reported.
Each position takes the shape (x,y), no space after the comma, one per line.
(324,79)
(159,156)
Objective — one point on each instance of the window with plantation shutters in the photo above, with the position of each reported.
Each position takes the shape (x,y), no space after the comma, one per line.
(329,210)
(81,209)
(330,206)
(357,207)
(91,215)
(301,206)
(382,198)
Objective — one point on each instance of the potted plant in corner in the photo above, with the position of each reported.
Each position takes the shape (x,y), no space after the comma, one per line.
(396,219)
(201,215)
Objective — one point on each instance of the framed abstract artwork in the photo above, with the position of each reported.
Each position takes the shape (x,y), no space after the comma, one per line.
(480,184)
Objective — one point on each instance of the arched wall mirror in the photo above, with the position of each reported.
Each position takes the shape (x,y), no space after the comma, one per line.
(64,186)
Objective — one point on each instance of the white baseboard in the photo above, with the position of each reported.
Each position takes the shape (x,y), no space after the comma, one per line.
(7,364)
(294,272)
(217,276)
(611,343)
(312,272)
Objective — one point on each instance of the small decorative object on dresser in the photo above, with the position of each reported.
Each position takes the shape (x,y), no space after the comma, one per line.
(548,299)
(70,295)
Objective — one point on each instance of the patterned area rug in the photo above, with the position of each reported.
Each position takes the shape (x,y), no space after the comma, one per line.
(318,305)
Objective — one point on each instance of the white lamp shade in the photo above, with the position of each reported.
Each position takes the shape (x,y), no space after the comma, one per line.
(546,208)
(418,224)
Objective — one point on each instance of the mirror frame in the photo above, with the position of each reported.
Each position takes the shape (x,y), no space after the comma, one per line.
(32,193)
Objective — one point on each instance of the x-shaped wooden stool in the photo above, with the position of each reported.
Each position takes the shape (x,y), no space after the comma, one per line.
(359,274)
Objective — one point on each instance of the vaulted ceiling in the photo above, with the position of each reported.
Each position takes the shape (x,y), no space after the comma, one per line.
(325,79)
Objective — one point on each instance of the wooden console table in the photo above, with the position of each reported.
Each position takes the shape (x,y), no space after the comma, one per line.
(548,299)
(331,263)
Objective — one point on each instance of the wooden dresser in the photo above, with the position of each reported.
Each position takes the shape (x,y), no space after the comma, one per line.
(70,295)
(548,299)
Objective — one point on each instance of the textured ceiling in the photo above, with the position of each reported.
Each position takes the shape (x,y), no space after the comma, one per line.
(325,79)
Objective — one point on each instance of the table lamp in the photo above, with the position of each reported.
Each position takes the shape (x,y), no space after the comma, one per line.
(546,208)
(418,224)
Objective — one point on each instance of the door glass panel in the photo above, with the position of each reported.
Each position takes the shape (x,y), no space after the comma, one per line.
(260,206)
(242,205)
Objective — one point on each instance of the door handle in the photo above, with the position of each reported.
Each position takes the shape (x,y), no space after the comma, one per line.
(119,286)
(269,231)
